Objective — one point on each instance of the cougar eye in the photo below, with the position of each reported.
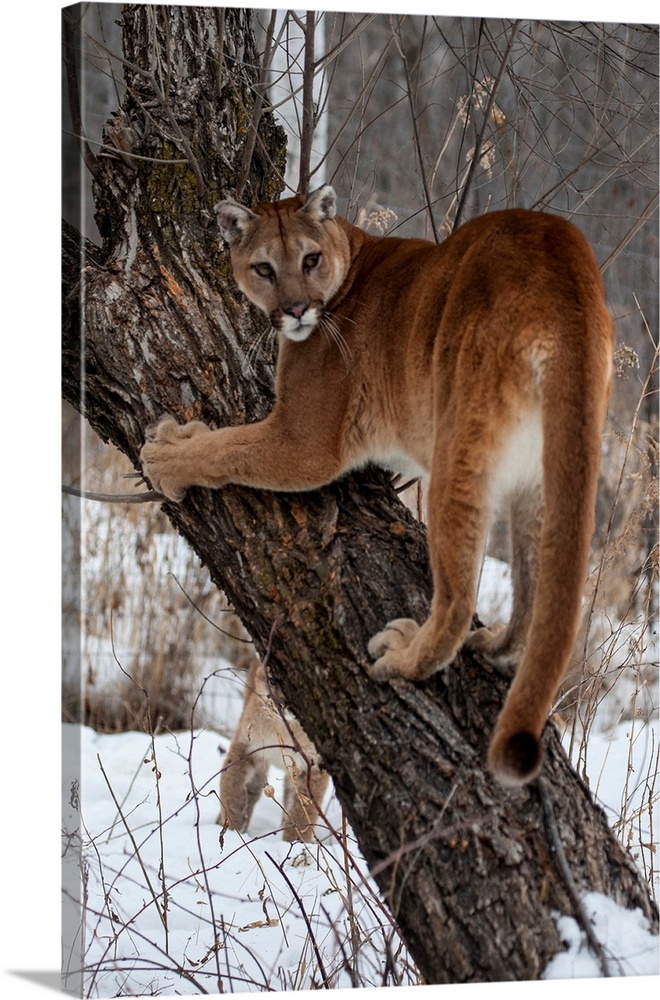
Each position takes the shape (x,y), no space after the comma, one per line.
(310,261)
(263,269)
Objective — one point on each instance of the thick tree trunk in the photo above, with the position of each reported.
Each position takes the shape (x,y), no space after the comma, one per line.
(153,323)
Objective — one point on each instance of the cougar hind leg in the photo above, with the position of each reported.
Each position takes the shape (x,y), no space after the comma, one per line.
(459,514)
(241,783)
(303,795)
(406,649)
(504,648)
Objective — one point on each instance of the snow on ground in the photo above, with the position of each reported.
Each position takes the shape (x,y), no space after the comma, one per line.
(159,880)
(624,934)
(621,766)
(173,909)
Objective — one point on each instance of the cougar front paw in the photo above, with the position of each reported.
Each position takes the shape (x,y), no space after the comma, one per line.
(165,457)
(391,650)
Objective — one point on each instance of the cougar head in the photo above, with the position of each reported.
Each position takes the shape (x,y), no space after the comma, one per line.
(289,257)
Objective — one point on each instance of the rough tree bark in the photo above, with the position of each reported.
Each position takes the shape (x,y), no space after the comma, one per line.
(153,323)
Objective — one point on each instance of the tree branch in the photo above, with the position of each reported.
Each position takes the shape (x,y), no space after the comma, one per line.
(569,881)
(150,496)
(308,122)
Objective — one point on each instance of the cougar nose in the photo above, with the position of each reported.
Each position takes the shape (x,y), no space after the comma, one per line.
(296,310)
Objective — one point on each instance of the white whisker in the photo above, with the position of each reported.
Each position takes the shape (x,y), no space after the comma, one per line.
(330,328)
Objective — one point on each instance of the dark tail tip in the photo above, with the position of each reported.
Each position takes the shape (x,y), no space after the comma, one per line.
(515,760)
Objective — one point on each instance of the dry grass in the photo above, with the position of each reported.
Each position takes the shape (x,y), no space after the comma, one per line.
(150,621)
(617,652)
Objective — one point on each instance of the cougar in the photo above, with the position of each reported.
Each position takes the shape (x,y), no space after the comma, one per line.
(264,737)
(484,363)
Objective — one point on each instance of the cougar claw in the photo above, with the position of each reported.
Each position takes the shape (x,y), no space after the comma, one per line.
(151,431)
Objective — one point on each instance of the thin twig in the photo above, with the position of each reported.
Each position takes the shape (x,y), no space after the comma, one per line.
(159,807)
(345,40)
(394,859)
(230,635)
(484,125)
(308,117)
(257,108)
(411,91)
(610,523)
(567,877)
(650,210)
(137,855)
(149,496)
(204,868)
(308,923)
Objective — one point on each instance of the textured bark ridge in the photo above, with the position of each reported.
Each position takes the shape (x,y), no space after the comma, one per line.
(152,324)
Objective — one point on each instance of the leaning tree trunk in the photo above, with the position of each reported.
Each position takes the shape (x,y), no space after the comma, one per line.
(153,323)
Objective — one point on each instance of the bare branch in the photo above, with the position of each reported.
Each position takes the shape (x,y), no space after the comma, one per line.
(484,126)
(151,496)
(260,93)
(648,212)
(308,122)
(411,92)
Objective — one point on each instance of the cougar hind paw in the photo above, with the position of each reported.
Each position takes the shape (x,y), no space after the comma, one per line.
(494,645)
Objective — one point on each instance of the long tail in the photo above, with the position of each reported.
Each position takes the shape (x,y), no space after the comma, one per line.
(574,400)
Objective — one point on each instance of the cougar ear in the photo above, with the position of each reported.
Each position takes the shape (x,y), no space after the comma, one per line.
(321,204)
(234,220)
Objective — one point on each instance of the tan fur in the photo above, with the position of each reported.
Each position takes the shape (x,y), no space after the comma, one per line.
(484,362)
(262,738)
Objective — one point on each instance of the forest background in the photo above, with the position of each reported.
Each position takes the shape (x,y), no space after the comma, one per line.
(32,187)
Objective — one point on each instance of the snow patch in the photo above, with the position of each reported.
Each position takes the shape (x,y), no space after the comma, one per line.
(630,947)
